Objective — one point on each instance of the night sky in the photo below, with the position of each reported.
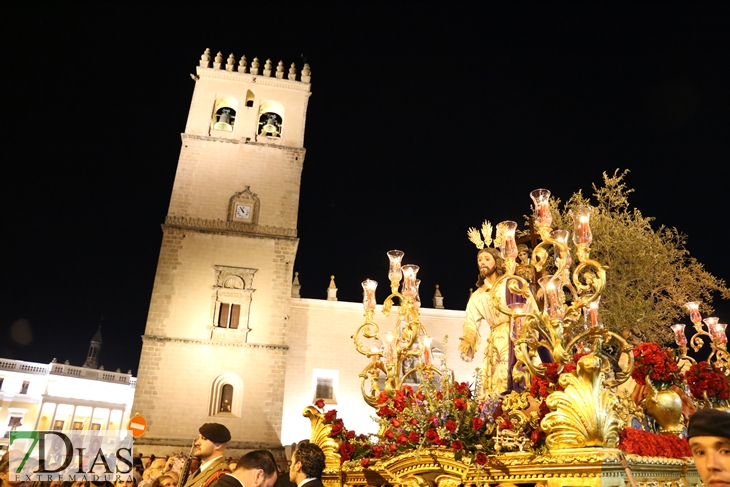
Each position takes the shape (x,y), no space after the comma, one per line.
(423,121)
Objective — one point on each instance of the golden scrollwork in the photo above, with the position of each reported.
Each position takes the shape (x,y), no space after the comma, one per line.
(584,413)
(320,436)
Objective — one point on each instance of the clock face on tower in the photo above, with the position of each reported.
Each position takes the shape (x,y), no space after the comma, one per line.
(243,212)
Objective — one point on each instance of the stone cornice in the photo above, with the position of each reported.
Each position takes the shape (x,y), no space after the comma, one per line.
(248,229)
(158,338)
(241,140)
(254,78)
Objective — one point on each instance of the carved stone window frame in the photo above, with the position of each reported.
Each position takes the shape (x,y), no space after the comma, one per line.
(233,286)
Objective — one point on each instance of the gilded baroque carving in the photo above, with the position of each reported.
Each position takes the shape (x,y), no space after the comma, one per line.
(585,412)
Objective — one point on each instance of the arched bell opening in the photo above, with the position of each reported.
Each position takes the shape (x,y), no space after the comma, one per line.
(223,115)
(249,98)
(270,124)
(225,119)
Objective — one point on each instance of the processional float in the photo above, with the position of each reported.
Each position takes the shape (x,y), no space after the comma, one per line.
(561,427)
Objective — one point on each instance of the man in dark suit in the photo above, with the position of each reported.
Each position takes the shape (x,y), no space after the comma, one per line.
(307,464)
(255,469)
(209,448)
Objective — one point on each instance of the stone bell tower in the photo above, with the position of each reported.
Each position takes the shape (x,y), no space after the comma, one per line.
(214,349)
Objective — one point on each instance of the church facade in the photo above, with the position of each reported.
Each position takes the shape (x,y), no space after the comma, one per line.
(225,340)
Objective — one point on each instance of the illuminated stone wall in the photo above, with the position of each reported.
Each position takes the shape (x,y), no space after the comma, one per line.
(211,257)
(320,327)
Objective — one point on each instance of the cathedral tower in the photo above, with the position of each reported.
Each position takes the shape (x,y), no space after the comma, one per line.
(214,348)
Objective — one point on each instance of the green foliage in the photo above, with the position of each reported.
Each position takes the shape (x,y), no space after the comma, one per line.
(650,273)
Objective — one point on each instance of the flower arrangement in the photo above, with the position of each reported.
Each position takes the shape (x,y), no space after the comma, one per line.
(436,415)
(656,363)
(542,388)
(707,383)
(445,415)
(352,446)
(650,444)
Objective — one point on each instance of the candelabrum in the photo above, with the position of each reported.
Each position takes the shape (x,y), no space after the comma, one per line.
(404,354)
(719,355)
(584,413)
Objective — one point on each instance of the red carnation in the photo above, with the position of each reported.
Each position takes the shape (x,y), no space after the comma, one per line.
(336,430)
(432,435)
(450,426)
(382,398)
(346,451)
(385,411)
(459,404)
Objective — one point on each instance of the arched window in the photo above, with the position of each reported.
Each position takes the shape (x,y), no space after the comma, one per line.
(271,119)
(226,396)
(226,399)
(249,98)
(226,117)
(223,118)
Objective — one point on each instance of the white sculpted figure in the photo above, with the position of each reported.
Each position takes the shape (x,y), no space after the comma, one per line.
(483,316)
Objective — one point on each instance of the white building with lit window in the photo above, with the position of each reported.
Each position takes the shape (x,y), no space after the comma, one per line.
(35,396)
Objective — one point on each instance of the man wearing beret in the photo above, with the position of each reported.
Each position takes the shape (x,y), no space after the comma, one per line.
(709,439)
(209,448)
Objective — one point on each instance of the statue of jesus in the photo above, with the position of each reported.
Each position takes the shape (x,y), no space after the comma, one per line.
(483,315)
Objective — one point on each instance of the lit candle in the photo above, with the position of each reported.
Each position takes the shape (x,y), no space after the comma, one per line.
(517,321)
(426,350)
(368,294)
(541,199)
(679,335)
(394,270)
(409,280)
(593,313)
(694,312)
(509,246)
(717,330)
(581,225)
(550,288)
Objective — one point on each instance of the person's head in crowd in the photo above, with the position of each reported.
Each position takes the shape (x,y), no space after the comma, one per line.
(211,442)
(307,462)
(256,469)
(164,481)
(708,433)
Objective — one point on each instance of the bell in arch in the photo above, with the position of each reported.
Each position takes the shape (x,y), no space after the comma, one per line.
(225,120)
(270,125)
